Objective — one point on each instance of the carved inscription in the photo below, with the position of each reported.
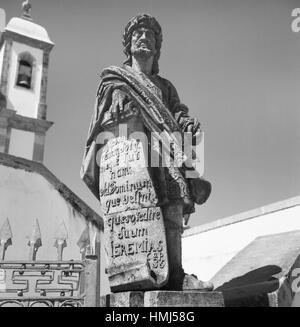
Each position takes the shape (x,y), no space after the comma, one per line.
(134,227)
(135,233)
(124,183)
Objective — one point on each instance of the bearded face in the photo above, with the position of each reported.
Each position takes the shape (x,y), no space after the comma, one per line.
(143,43)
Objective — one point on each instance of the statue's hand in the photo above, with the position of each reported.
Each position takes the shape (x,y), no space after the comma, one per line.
(194,127)
(121,105)
(119,99)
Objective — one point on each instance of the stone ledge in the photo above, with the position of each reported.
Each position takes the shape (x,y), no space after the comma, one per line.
(123,299)
(163,299)
(183,299)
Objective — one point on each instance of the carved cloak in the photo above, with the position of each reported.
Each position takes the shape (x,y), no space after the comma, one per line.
(142,100)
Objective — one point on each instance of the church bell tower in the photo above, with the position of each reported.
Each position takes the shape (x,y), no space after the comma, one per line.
(24,59)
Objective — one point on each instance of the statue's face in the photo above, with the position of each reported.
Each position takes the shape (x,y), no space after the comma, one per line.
(143,42)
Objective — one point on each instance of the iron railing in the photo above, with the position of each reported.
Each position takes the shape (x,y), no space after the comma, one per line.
(49,283)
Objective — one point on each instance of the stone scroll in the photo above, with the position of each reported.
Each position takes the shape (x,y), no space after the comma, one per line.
(135,240)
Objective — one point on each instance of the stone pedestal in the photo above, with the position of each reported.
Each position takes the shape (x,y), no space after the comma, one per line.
(163,299)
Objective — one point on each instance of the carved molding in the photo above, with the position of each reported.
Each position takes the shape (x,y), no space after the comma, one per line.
(29,124)
(10,35)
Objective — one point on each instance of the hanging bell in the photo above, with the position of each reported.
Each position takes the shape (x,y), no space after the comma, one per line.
(24,80)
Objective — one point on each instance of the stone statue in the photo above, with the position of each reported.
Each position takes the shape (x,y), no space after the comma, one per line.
(136,95)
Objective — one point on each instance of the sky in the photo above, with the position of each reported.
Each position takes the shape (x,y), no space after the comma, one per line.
(235,64)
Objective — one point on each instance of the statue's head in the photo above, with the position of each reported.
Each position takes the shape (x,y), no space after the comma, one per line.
(147,26)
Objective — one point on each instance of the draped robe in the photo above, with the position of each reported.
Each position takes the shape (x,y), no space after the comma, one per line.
(123,93)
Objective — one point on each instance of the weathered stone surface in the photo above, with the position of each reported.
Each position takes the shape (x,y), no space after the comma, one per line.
(92,291)
(284,295)
(263,273)
(123,299)
(134,276)
(163,299)
(103,301)
(183,299)
(135,234)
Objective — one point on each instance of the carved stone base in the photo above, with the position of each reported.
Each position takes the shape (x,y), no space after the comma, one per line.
(163,299)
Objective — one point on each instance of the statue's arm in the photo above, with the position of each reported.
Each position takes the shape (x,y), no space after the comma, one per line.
(199,187)
(110,105)
(181,112)
(89,171)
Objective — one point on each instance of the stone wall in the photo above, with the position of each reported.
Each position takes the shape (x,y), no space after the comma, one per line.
(26,197)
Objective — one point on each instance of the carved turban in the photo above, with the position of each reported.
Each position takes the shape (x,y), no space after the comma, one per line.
(142,20)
